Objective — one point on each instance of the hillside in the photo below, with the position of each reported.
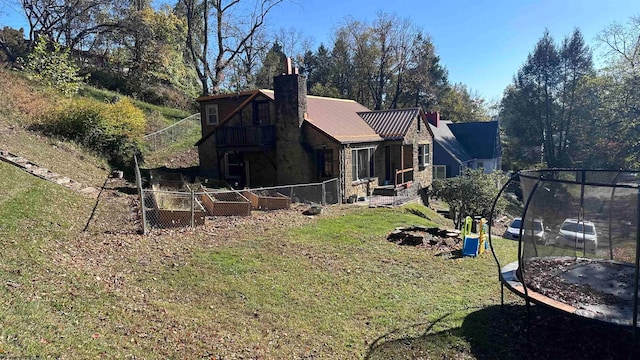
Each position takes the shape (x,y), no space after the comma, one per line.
(78,281)
(24,102)
(20,106)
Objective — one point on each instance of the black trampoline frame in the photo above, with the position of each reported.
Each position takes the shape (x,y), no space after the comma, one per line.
(538,175)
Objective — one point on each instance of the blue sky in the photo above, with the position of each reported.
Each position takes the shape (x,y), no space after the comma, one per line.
(481,43)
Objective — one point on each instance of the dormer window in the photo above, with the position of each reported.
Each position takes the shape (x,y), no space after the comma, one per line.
(211,113)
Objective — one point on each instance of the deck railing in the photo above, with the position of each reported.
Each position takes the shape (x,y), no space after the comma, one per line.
(241,136)
(403,176)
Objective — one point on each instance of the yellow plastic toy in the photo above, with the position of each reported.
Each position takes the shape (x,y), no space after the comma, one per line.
(484,228)
(474,244)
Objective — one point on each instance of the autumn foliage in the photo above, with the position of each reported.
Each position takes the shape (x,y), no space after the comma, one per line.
(112,129)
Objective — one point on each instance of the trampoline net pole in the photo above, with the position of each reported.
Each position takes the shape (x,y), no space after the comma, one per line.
(637,277)
(613,194)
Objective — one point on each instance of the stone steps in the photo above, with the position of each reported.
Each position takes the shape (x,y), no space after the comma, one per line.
(46,174)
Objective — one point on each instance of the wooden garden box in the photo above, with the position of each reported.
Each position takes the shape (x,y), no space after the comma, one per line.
(267,200)
(172,210)
(179,218)
(227,203)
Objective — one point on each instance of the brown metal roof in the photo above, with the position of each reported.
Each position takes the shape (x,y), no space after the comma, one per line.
(391,124)
(339,119)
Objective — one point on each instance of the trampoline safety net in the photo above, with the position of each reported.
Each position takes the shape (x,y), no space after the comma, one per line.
(579,240)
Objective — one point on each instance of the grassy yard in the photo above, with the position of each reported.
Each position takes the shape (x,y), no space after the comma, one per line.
(279,285)
(77,281)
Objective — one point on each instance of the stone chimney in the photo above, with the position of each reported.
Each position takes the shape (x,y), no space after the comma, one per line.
(290,93)
(433,118)
(290,97)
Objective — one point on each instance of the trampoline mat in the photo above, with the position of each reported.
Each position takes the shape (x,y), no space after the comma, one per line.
(597,289)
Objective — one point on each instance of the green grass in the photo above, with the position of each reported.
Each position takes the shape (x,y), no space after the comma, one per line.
(330,289)
(429,214)
(184,145)
(38,312)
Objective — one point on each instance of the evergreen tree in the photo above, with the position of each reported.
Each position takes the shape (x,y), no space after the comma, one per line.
(273,64)
(542,108)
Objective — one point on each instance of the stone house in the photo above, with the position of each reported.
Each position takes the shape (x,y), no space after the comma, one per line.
(284,136)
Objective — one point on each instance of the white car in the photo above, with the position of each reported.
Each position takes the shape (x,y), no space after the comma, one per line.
(513,231)
(578,234)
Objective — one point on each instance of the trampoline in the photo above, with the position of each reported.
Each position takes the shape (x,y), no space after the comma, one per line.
(586,263)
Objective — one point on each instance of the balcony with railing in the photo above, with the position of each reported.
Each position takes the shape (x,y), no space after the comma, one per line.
(246,137)
(404,178)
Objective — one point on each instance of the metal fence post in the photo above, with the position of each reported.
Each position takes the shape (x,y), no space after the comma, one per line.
(141,195)
(193,208)
(143,208)
(324,193)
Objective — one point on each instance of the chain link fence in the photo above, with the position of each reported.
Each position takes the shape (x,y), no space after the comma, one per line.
(399,197)
(187,205)
(172,133)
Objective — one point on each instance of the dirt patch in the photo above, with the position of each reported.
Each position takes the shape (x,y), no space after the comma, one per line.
(545,277)
(600,289)
(428,238)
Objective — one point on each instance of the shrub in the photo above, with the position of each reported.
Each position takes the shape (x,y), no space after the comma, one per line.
(49,63)
(126,119)
(471,193)
(113,130)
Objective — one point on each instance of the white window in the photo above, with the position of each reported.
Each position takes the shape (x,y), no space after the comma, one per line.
(362,163)
(424,155)
(211,113)
(439,171)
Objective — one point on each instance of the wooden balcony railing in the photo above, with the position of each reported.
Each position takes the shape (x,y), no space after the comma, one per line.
(246,136)
(403,177)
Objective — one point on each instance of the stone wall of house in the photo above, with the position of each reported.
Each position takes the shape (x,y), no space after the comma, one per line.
(290,107)
(262,171)
(358,188)
(208,156)
(422,176)
(318,141)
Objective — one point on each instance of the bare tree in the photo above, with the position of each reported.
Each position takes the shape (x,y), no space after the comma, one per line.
(406,39)
(68,22)
(229,26)
(294,43)
(622,44)
(246,65)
